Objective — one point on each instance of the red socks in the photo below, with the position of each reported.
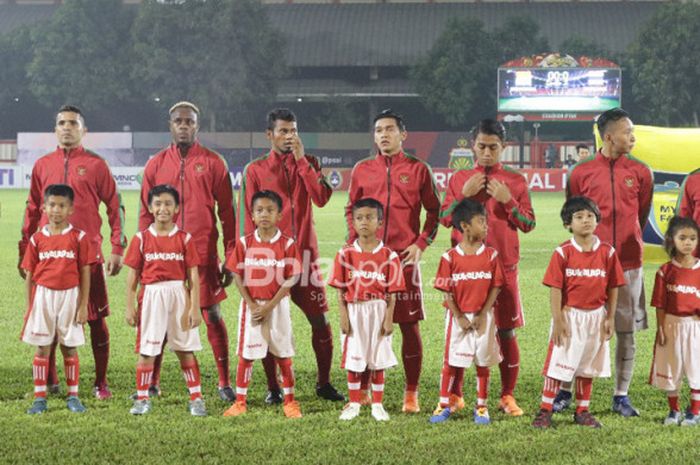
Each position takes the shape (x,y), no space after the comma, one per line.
(244,373)
(448,377)
(99,339)
(71,366)
(695,401)
(40,369)
(510,366)
(412,354)
(218,339)
(673,403)
(482,385)
(144,377)
(354,386)
(377,386)
(287,373)
(322,342)
(584,387)
(549,392)
(190,370)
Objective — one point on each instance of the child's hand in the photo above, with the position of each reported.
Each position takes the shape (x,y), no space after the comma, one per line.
(387,327)
(560,329)
(464,322)
(130,316)
(476,321)
(660,336)
(195,317)
(345,325)
(608,328)
(261,312)
(82,316)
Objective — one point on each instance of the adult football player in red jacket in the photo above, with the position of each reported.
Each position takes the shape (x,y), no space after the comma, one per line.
(689,199)
(202,179)
(503,191)
(622,187)
(297,178)
(404,184)
(92,182)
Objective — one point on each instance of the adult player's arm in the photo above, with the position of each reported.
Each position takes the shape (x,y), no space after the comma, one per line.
(573,183)
(646,194)
(145,217)
(249,186)
(431,203)
(83,294)
(686,206)
(110,196)
(223,194)
(519,208)
(316,183)
(354,194)
(32,213)
(453,196)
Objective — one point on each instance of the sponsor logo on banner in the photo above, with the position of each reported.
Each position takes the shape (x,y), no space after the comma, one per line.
(335,179)
(12,177)
(128,178)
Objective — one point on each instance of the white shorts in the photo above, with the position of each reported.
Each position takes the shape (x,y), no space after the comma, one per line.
(365,347)
(462,348)
(162,310)
(586,353)
(631,312)
(53,315)
(679,356)
(275,335)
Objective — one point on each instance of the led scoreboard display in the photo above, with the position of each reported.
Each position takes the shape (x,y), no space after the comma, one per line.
(585,90)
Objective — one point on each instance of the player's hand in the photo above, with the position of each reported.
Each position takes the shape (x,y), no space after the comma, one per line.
(411,256)
(464,323)
(345,325)
(225,278)
(387,328)
(560,329)
(660,336)
(476,321)
(195,317)
(130,316)
(82,315)
(498,191)
(114,265)
(261,311)
(474,185)
(608,328)
(298,148)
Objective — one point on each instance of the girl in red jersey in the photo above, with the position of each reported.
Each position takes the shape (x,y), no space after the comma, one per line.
(677,300)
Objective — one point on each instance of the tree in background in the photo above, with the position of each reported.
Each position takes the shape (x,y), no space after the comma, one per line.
(577,46)
(220,54)
(518,36)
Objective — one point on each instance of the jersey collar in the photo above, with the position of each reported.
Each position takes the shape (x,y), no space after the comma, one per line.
(479,251)
(274,239)
(154,233)
(596,244)
(45,230)
(357,247)
(694,267)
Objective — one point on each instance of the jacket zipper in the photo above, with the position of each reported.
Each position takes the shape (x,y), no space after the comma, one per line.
(291,200)
(388,199)
(614,213)
(182,189)
(65,166)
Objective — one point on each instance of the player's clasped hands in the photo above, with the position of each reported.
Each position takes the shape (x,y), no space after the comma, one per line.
(474,185)
(498,191)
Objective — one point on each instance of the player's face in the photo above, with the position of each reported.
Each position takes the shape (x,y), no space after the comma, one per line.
(58,209)
(476,229)
(283,136)
(388,137)
(366,221)
(685,241)
(163,208)
(266,214)
(488,149)
(620,135)
(184,124)
(583,223)
(70,129)
(583,153)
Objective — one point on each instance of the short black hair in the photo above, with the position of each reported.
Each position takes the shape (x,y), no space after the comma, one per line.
(163,189)
(59,190)
(582,146)
(489,127)
(283,114)
(464,212)
(610,116)
(676,224)
(389,113)
(267,194)
(70,108)
(370,203)
(577,204)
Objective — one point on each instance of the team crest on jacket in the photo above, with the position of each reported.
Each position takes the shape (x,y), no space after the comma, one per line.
(199,168)
(81,170)
(404,178)
(629,181)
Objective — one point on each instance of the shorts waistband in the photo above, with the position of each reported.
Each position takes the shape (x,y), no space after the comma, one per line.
(165,285)
(680,320)
(589,311)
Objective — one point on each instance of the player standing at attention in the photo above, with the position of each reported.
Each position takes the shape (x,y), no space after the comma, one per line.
(503,192)
(202,180)
(297,178)
(163,258)
(583,276)
(57,267)
(265,266)
(622,187)
(92,182)
(404,184)
(677,300)
(470,275)
(689,200)
(367,275)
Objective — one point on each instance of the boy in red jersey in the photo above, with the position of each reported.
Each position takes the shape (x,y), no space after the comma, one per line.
(471,276)
(584,275)
(677,300)
(367,275)
(266,265)
(57,265)
(164,259)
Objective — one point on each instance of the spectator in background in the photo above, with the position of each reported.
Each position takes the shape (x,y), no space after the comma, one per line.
(582,151)
(550,156)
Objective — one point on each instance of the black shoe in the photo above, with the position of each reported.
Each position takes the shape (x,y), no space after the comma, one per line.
(274,397)
(328,392)
(226,394)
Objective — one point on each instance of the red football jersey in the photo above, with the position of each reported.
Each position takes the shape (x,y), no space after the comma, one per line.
(55,260)
(367,275)
(677,289)
(162,258)
(264,266)
(584,277)
(469,277)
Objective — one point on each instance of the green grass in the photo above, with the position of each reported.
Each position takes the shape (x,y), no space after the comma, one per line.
(107,433)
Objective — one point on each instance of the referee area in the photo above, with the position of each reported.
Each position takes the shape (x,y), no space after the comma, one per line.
(106,433)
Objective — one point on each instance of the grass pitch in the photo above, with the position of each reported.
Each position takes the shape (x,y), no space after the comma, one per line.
(108,434)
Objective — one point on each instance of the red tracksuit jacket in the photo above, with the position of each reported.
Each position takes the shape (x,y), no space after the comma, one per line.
(689,200)
(203,181)
(92,182)
(622,189)
(504,220)
(402,183)
(298,183)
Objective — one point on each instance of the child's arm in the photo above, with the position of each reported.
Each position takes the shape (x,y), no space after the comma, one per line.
(132,281)
(83,294)
(388,323)
(343,311)
(463,321)
(560,327)
(263,311)
(660,322)
(193,314)
(609,324)
(490,300)
(28,284)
